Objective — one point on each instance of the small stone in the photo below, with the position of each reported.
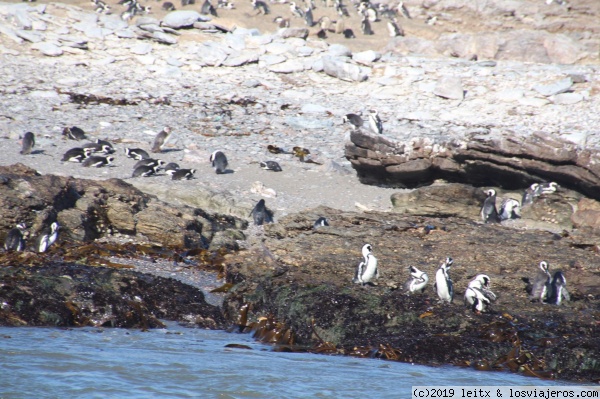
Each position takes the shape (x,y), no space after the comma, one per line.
(313,109)
(271,59)
(251,83)
(366,57)
(343,70)
(554,88)
(164,38)
(509,95)
(289,66)
(339,50)
(146,59)
(449,87)
(305,51)
(567,98)
(46,48)
(141,48)
(242,58)
(294,32)
(174,62)
(182,19)
(28,35)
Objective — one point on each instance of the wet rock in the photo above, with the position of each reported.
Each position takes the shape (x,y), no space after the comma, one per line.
(449,87)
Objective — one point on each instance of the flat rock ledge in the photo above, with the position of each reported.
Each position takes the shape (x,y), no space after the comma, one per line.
(303,278)
(479,158)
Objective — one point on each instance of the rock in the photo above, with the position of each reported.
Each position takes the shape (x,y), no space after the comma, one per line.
(339,50)
(268,59)
(10,33)
(587,214)
(141,48)
(313,109)
(164,38)
(243,58)
(47,48)
(343,70)
(30,36)
(366,57)
(289,66)
(562,49)
(551,89)
(449,87)
(307,123)
(301,33)
(567,98)
(182,19)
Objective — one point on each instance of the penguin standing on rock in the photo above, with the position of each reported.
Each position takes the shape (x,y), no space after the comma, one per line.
(529,194)
(15,239)
(558,289)
(28,143)
(262,7)
(489,214)
(354,119)
(47,237)
(509,209)
(478,294)
(367,269)
(365,26)
(208,8)
(541,283)
(417,282)
(375,122)
(161,139)
(260,214)
(219,162)
(443,283)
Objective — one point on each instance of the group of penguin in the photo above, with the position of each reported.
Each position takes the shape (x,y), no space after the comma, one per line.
(510,208)
(15,240)
(478,295)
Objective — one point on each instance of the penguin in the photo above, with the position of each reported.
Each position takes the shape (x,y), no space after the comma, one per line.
(558,289)
(365,26)
(170,166)
(431,20)
(168,6)
(181,174)
(372,14)
(219,162)
(47,237)
(417,281)
(105,143)
(354,120)
(161,139)
(478,294)
(99,147)
(74,133)
(263,8)
(273,149)
(367,269)
(97,161)
(76,154)
(529,194)
(308,17)
(341,9)
(296,11)
(443,285)
(394,28)
(340,27)
(271,165)
(489,214)
(28,143)
(402,10)
(260,214)
(208,8)
(145,171)
(349,34)
(187,2)
(325,23)
(301,153)
(15,239)
(160,164)
(541,283)
(136,153)
(546,188)
(375,122)
(509,209)
(320,222)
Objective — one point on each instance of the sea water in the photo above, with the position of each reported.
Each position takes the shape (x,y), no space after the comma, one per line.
(178,362)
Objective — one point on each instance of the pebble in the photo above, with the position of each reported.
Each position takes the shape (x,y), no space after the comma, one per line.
(46,48)
(567,98)
(449,87)
(554,88)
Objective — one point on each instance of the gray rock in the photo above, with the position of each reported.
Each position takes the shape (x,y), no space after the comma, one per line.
(562,49)
(551,89)
(242,58)
(211,54)
(113,23)
(343,70)
(182,19)
(236,42)
(271,59)
(449,87)
(289,66)
(339,50)
(151,28)
(174,62)
(251,83)
(305,51)
(125,34)
(39,25)
(10,33)
(30,36)
(279,48)
(141,48)
(317,65)
(567,98)
(95,32)
(164,38)
(301,33)
(46,48)
(146,21)
(313,109)
(366,57)
(299,122)
(246,32)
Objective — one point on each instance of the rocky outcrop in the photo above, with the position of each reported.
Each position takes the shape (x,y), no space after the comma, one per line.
(77,296)
(88,209)
(480,159)
(303,278)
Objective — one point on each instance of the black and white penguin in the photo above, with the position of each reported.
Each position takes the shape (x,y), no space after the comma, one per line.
(478,294)
(282,22)
(354,119)
(365,26)
(159,163)
(271,165)
(74,133)
(145,171)
(207,8)
(187,2)
(99,148)
(76,154)
(106,143)
(529,194)
(394,28)
(402,10)
(308,17)
(375,122)
(489,214)
(296,11)
(262,7)
(349,34)
(181,174)
(28,143)
(320,222)
(558,289)
(443,283)
(97,161)
(136,153)
(339,27)
(219,162)
(372,14)
(541,283)
(47,237)
(261,214)
(161,139)
(168,6)
(15,239)
(546,188)
(367,269)
(417,282)
(170,166)
(341,9)
(509,209)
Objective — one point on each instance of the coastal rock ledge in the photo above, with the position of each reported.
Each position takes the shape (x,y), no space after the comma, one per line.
(479,158)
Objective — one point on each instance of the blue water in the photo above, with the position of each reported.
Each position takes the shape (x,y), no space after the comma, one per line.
(180,362)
